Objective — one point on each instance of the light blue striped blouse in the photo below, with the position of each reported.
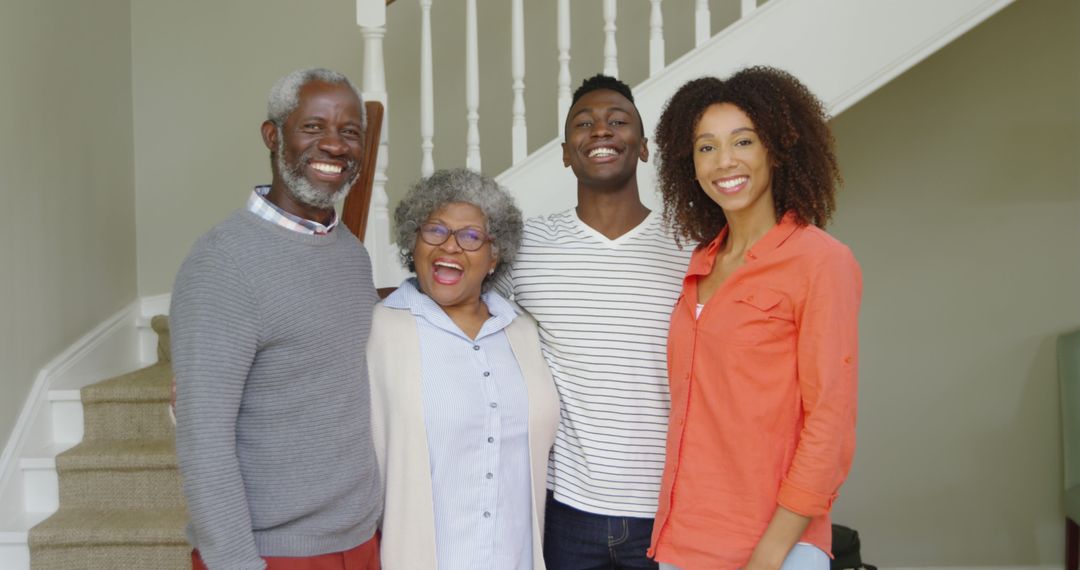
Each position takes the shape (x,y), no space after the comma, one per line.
(476,414)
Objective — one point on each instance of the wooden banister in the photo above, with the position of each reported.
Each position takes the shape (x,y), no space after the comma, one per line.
(355,211)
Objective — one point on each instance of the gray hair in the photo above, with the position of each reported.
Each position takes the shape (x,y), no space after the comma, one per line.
(460,185)
(285,94)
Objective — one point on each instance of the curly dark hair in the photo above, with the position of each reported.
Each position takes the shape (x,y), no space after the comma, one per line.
(609,83)
(792,125)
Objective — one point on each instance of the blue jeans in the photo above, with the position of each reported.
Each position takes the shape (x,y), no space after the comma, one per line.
(802,557)
(576,540)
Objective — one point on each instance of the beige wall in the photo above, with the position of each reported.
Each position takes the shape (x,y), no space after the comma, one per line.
(200,85)
(67,249)
(963,205)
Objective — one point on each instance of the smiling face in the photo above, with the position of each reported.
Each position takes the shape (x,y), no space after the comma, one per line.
(604,140)
(731,163)
(447,273)
(317,151)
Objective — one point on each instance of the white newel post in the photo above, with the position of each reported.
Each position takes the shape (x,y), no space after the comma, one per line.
(702,24)
(519,140)
(472,88)
(371,17)
(611,52)
(656,38)
(563,45)
(427,94)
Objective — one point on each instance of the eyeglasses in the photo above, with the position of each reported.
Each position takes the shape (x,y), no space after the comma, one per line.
(468,238)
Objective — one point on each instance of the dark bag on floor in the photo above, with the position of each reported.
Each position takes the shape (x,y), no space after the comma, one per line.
(845,549)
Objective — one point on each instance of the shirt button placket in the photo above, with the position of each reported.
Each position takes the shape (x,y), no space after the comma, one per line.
(491,459)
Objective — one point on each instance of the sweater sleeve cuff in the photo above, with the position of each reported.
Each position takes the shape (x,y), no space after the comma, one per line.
(804,502)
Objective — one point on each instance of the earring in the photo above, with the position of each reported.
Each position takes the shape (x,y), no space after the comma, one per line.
(491,271)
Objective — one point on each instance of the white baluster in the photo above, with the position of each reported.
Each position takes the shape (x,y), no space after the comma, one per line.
(748,6)
(563,40)
(371,16)
(518,139)
(656,38)
(702,25)
(472,88)
(374,89)
(611,52)
(427,94)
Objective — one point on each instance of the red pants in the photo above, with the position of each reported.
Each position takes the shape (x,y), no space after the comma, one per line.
(363,557)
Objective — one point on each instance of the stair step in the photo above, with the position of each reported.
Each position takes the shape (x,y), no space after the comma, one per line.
(81,526)
(133,473)
(112,557)
(16,525)
(111,488)
(111,538)
(14,554)
(127,420)
(67,416)
(150,384)
(40,485)
(124,455)
(132,406)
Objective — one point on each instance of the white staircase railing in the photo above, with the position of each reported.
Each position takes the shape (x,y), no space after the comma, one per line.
(371,17)
(842,49)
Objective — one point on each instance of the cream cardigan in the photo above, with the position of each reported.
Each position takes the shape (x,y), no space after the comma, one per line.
(393,356)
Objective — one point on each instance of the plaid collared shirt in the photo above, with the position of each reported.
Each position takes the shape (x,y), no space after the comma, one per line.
(258,204)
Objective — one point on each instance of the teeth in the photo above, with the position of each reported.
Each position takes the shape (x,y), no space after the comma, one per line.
(450,265)
(731,183)
(601,152)
(328,168)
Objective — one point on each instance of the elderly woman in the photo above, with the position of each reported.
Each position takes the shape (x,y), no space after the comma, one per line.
(463,404)
(762,351)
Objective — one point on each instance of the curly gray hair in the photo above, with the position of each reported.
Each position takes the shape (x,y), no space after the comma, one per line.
(285,94)
(460,185)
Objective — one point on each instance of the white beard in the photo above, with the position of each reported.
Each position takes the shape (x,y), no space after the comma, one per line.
(301,189)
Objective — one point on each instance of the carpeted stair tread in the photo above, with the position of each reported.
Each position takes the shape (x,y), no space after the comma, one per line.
(124,454)
(99,527)
(150,384)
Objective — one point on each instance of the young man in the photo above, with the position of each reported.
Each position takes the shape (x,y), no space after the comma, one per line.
(601,280)
(270,314)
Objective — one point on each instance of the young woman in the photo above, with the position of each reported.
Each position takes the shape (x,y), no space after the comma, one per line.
(762,353)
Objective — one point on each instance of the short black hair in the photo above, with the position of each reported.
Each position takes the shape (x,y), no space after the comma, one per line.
(601,81)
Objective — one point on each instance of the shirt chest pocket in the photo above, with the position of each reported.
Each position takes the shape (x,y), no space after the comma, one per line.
(759,316)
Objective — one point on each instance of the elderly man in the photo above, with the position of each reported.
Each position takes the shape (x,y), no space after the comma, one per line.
(270,315)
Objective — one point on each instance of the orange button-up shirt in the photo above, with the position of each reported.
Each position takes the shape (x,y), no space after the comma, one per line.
(763,397)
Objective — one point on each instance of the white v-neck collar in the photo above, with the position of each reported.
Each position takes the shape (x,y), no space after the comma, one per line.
(619,240)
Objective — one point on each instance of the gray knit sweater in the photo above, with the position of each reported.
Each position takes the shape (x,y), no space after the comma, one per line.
(273,412)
